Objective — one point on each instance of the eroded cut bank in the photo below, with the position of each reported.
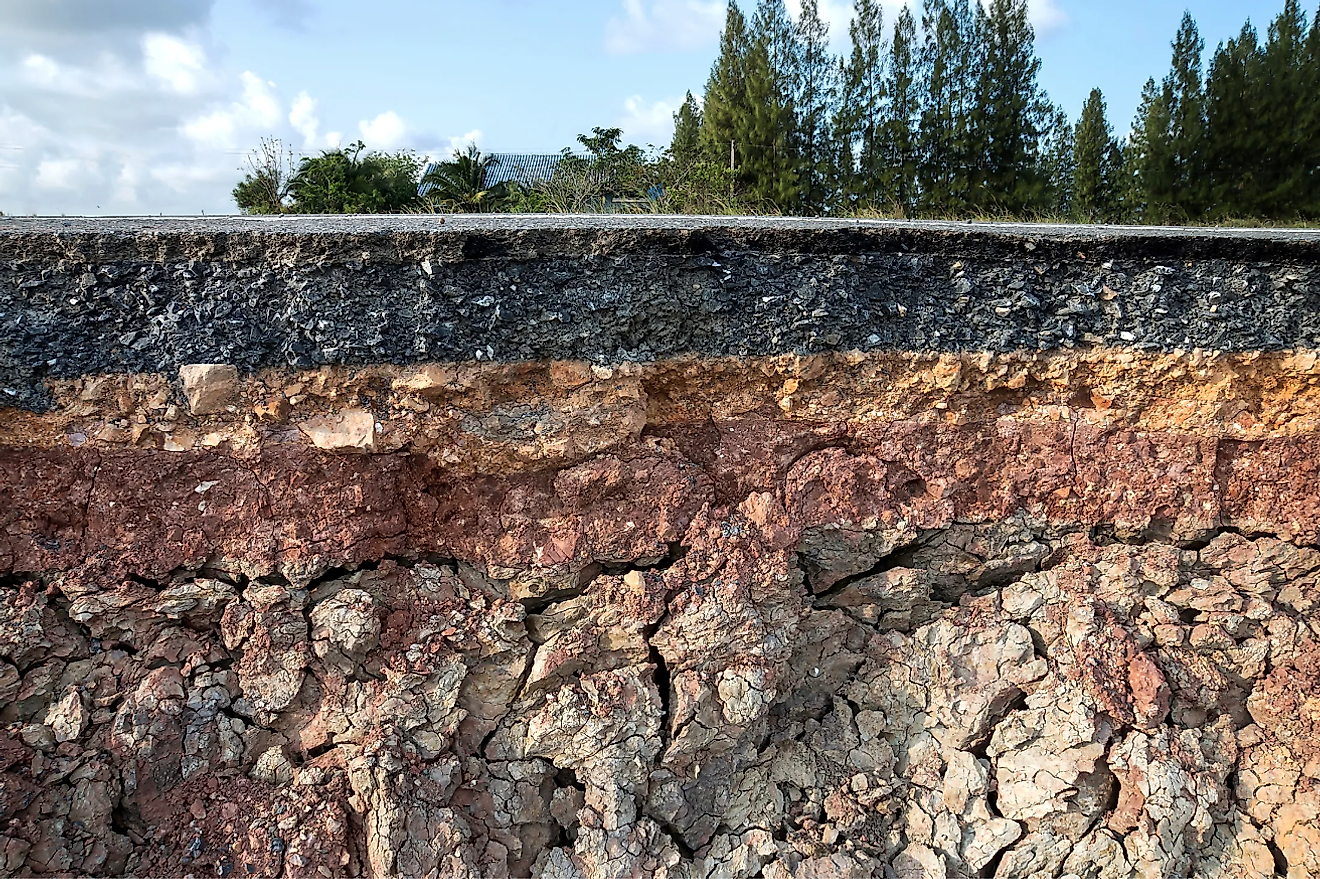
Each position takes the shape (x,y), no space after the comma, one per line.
(928,551)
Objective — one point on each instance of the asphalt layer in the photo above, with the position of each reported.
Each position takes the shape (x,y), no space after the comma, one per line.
(81,296)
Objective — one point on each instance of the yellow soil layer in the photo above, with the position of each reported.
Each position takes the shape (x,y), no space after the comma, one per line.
(487,417)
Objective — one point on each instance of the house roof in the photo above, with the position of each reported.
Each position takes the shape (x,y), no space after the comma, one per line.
(525,169)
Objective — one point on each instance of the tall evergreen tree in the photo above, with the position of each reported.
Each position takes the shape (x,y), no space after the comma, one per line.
(1310,124)
(864,96)
(1011,111)
(1055,164)
(1186,103)
(898,140)
(948,89)
(817,94)
(1234,138)
(686,144)
(724,111)
(1094,152)
(1282,111)
(1147,190)
(844,194)
(768,138)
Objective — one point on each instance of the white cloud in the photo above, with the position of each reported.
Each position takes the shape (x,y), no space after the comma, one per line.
(649,123)
(255,114)
(461,142)
(40,70)
(838,14)
(126,184)
(128,106)
(106,75)
(62,173)
(664,26)
(176,64)
(1047,18)
(386,132)
(303,118)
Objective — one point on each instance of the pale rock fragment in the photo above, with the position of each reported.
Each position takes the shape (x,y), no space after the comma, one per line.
(209,387)
(345,628)
(68,717)
(273,767)
(351,430)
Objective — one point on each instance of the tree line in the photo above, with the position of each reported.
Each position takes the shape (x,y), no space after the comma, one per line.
(937,114)
(941,114)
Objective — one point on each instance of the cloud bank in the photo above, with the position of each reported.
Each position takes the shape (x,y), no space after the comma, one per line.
(122,106)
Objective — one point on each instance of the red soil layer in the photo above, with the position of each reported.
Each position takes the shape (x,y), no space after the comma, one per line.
(301,511)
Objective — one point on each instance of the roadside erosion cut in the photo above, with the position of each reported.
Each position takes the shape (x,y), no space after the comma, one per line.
(657,547)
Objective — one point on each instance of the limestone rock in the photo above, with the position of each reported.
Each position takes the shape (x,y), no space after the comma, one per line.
(353,430)
(209,387)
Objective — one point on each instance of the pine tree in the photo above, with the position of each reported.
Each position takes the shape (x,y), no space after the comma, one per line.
(1055,164)
(1011,114)
(768,137)
(864,98)
(1309,124)
(1186,104)
(1147,189)
(724,110)
(843,155)
(686,145)
(817,93)
(1234,138)
(1094,175)
(898,140)
(1285,96)
(948,88)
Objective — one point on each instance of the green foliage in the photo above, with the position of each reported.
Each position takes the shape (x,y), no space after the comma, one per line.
(1095,158)
(898,142)
(726,91)
(766,126)
(949,66)
(264,189)
(817,95)
(351,181)
(945,119)
(1010,113)
(1262,109)
(1056,162)
(1147,167)
(686,144)
(863,118)
(1186,105)
(459,184)
(1235,138)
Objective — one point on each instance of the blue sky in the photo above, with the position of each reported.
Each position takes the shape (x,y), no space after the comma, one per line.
(148,106)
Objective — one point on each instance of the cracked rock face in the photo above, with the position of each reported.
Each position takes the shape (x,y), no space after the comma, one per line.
(909,613)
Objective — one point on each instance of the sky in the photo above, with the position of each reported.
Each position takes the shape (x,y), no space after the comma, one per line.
(125,107)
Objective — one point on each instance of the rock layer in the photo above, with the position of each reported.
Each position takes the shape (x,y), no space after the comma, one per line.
(914,611)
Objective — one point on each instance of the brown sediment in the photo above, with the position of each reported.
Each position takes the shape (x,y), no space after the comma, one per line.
(486,418)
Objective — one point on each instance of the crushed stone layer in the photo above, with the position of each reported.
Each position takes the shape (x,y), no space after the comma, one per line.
(143,297)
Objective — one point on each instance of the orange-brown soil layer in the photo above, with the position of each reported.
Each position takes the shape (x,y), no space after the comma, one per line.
(492,418)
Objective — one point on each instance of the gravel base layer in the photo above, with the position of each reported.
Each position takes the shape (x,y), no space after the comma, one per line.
(85,296)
